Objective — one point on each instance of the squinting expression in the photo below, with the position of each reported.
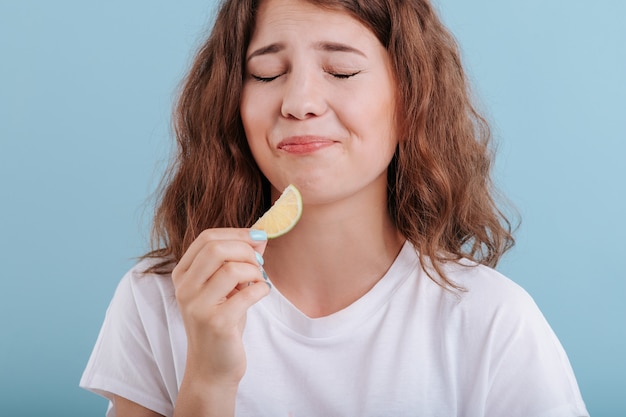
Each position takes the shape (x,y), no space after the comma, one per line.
(318,101)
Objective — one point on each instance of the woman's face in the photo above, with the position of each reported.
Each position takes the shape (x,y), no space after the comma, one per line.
(318,102)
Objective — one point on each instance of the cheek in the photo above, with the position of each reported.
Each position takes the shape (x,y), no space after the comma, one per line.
(374,121)
(386,122)
(245,110)
(251,120)
(380,131)
(258,110)
(255,124)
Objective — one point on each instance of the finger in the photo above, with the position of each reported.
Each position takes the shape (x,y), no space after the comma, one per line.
(228,282)
(228,313)
(258,240)
(211,258)
(255,238)
(237,305)
(231,278)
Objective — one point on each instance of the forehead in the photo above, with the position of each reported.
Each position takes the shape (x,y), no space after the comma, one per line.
(275,17)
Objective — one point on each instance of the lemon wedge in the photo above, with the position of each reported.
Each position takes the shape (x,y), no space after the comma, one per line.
(283,215)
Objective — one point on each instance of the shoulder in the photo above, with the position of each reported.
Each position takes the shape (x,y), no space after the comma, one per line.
(488,303)
(482,290)
(498,319)
(141,290)
(140,342)
(143,308)
(496,311)
(140,277)
(487,287)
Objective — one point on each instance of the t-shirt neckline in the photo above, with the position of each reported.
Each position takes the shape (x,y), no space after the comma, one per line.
(340,322)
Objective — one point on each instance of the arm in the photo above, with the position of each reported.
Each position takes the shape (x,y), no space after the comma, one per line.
(216,281)
(193,400)
(213,292)
(205,400)
(127,408)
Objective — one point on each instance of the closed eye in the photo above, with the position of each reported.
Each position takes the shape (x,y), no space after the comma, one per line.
(343,76)
(338,75)
(264,79)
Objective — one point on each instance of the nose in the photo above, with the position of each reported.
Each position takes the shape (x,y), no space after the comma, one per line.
(303,96)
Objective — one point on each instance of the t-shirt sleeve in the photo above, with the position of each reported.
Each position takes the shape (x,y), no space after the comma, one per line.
(530,372)
(123,362)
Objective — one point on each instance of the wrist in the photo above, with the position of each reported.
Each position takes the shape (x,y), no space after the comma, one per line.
(199,397)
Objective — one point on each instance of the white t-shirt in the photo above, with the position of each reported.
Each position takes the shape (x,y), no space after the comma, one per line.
(406,348)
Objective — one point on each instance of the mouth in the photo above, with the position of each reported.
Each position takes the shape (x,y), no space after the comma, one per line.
(304,144)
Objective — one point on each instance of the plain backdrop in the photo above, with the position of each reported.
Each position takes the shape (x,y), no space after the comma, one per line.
(86,90)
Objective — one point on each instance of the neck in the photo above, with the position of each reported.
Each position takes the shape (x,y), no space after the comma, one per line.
(333,256)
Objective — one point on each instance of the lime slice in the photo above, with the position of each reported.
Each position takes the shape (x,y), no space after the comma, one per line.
(283,215)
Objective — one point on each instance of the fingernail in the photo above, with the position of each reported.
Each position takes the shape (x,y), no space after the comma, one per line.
(259,258)
(268,284)
(265,277)
(258,234)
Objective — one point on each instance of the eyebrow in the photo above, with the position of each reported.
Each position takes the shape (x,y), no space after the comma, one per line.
(321,46)
(338,47)
(269,49)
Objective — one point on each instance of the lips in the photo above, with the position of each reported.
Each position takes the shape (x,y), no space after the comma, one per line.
(304,144)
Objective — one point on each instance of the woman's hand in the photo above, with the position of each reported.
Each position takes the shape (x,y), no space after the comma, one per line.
(216,281)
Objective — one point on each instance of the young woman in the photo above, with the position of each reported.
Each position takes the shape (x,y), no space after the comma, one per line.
(381,301)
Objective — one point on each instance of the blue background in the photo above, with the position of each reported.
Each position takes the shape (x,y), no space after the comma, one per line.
(86,90)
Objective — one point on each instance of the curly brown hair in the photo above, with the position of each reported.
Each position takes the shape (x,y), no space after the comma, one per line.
(440,194)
